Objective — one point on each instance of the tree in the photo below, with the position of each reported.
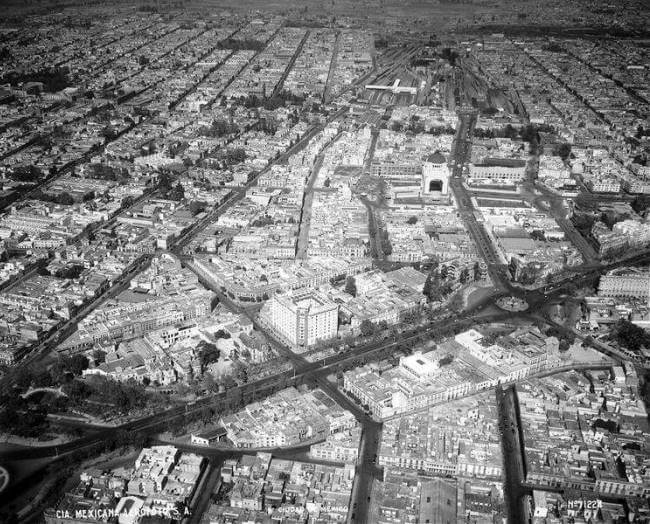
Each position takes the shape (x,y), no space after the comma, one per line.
(164,182)
(529,134)
(411,316)
(464,275)
(432,289)
(537,234)
(235,156)
(58,373)
(351,286)
(386,245)
(177,193)
(641,203)
(630,335)
(222,334)
(477,271)
(367,328)
(77,364)
(450,55)
(127,201)
(197,206)
(510,132)
(564,150)
(242,375)
(65,199)
(209,384)
(228,382)
(208,354)
(412,220)
(109,132)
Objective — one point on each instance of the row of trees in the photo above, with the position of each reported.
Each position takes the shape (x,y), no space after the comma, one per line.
(565,337)
(27,417)
(629,335)
(169,191)
(122,396)
(439,282)
(235,156)
(273,102)
(384,242)
(241,44)
(218,128)
(62,198)
(563,151)
(62,371)
(588,213)
(26,173)
(106,172)
(53,79)
(641,203)
(418,127)
(368,328)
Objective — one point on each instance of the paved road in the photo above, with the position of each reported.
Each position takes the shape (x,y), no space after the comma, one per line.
(367,473)
(556,208)
(460,156)
(315,373)
(513,458)
(280,85)
(303,370)
(302,246)
(209,483)
(35,353)
(551,203)
(367,470)
(330,74)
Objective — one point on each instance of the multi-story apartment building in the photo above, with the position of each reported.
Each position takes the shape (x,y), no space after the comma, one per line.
(498,170)
(396,170)
(125,321)
(304,316)
(625,284)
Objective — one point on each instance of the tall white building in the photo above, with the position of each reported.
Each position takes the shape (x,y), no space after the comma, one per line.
(418,366)
(304,316)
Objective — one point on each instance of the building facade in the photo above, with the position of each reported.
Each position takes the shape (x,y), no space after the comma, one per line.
(635,285)
(304,316)
(435,176)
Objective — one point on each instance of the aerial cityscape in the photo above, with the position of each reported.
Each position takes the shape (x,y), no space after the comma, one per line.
(372,261)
